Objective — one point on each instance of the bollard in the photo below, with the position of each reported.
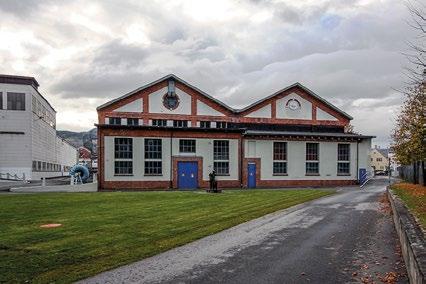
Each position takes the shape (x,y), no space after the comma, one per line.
(23,177)
(43,181)
(95,178)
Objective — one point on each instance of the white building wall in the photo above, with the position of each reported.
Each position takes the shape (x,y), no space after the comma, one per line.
(296,151)
(135,106)
(204,109)
(204,149)
(264,112)
(39,141)
(156,102)
(15,149)
(304,112)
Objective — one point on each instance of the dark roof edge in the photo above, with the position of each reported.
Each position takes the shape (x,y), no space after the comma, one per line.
(20,80)
(150,127)
(172,76)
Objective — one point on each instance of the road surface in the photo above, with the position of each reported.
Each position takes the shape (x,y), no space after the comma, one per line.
(345,238)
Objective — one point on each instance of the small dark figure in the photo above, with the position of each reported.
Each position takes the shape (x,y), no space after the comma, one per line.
(213,182)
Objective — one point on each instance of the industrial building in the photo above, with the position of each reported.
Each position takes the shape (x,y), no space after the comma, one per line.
(171,135)
(29,146)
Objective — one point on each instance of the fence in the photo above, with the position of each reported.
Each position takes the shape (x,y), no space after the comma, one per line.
(415,173)
(8,176)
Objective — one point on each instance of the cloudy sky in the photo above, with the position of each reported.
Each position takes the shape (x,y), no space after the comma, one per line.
(84,53)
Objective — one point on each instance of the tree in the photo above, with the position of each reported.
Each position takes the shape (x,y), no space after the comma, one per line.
(409,135)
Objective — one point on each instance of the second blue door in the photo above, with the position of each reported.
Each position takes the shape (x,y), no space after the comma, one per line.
(251,176)
(187,175)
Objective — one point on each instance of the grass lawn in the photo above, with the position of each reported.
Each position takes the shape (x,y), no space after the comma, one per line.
(104,230)
(414,196)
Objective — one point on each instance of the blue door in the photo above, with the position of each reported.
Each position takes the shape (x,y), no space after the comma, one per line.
(251,175)
(187,175)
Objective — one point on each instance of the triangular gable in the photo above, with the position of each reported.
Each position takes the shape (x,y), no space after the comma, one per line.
(303,90)
(323,115)
(263,112)
(205,97)
(134,106)
(204,109)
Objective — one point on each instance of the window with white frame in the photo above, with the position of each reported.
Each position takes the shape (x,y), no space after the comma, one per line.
(159,122)
(15,101)
(205,124)
(312,159)
(115,120)
(123,154)
(221,124)
(180,123)
(343,159)
(187,146)
(1,100)
(221,157)
(280,158)
(133,121)
(153,157)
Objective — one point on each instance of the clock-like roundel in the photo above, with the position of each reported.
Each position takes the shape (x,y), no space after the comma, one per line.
(293,104)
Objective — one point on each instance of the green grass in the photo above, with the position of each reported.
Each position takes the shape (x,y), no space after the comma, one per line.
(414,196)
(104,230)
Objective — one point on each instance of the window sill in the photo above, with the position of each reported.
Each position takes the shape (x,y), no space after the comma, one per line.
(280,175)
(312,175)
(153,175)
(123,175)
(346,175)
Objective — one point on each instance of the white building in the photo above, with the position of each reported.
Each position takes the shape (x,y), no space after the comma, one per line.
(169,134)
(28,142)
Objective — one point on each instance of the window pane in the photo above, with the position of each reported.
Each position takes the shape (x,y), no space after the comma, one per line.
(123,148)
(205,124)
(186,146)
(221,168)
(343,152)
(312,167)
(280,151)
(180,123)
(115,120)
(312,151)
(123,167)
(153,167)
(133,121)
(221,150)
(159,122)
(221,124)
(280,167)
(153,149)
(15,101)
(1,100)
(343,168)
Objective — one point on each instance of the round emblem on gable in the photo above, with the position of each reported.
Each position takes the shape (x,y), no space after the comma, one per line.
(293,104)
(171,101)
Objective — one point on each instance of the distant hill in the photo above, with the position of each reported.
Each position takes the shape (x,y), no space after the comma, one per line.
(78,139)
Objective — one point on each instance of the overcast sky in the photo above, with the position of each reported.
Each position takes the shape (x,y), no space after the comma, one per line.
(84,53)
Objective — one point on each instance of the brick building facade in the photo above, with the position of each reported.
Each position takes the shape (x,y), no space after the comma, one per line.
(171,135)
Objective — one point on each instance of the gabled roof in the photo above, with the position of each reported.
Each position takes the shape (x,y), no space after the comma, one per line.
(168,77)
(236,111)
(297,84)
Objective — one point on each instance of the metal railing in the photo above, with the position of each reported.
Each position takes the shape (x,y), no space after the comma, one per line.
(14,177)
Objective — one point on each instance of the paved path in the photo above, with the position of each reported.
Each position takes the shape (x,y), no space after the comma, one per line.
(339,239)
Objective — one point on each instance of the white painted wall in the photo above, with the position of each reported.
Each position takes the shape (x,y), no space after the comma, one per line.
(305,112)
(322,115)
(204,149)
(39,141)
(135,106)
(204,109)
(156,102)
(263,149)
(264,112)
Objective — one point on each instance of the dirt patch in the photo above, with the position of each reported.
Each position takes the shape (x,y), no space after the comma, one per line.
(384,204)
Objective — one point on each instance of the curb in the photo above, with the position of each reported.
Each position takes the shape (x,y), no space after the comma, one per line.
(411,237)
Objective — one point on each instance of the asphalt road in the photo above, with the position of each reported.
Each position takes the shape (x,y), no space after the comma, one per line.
(345,238)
